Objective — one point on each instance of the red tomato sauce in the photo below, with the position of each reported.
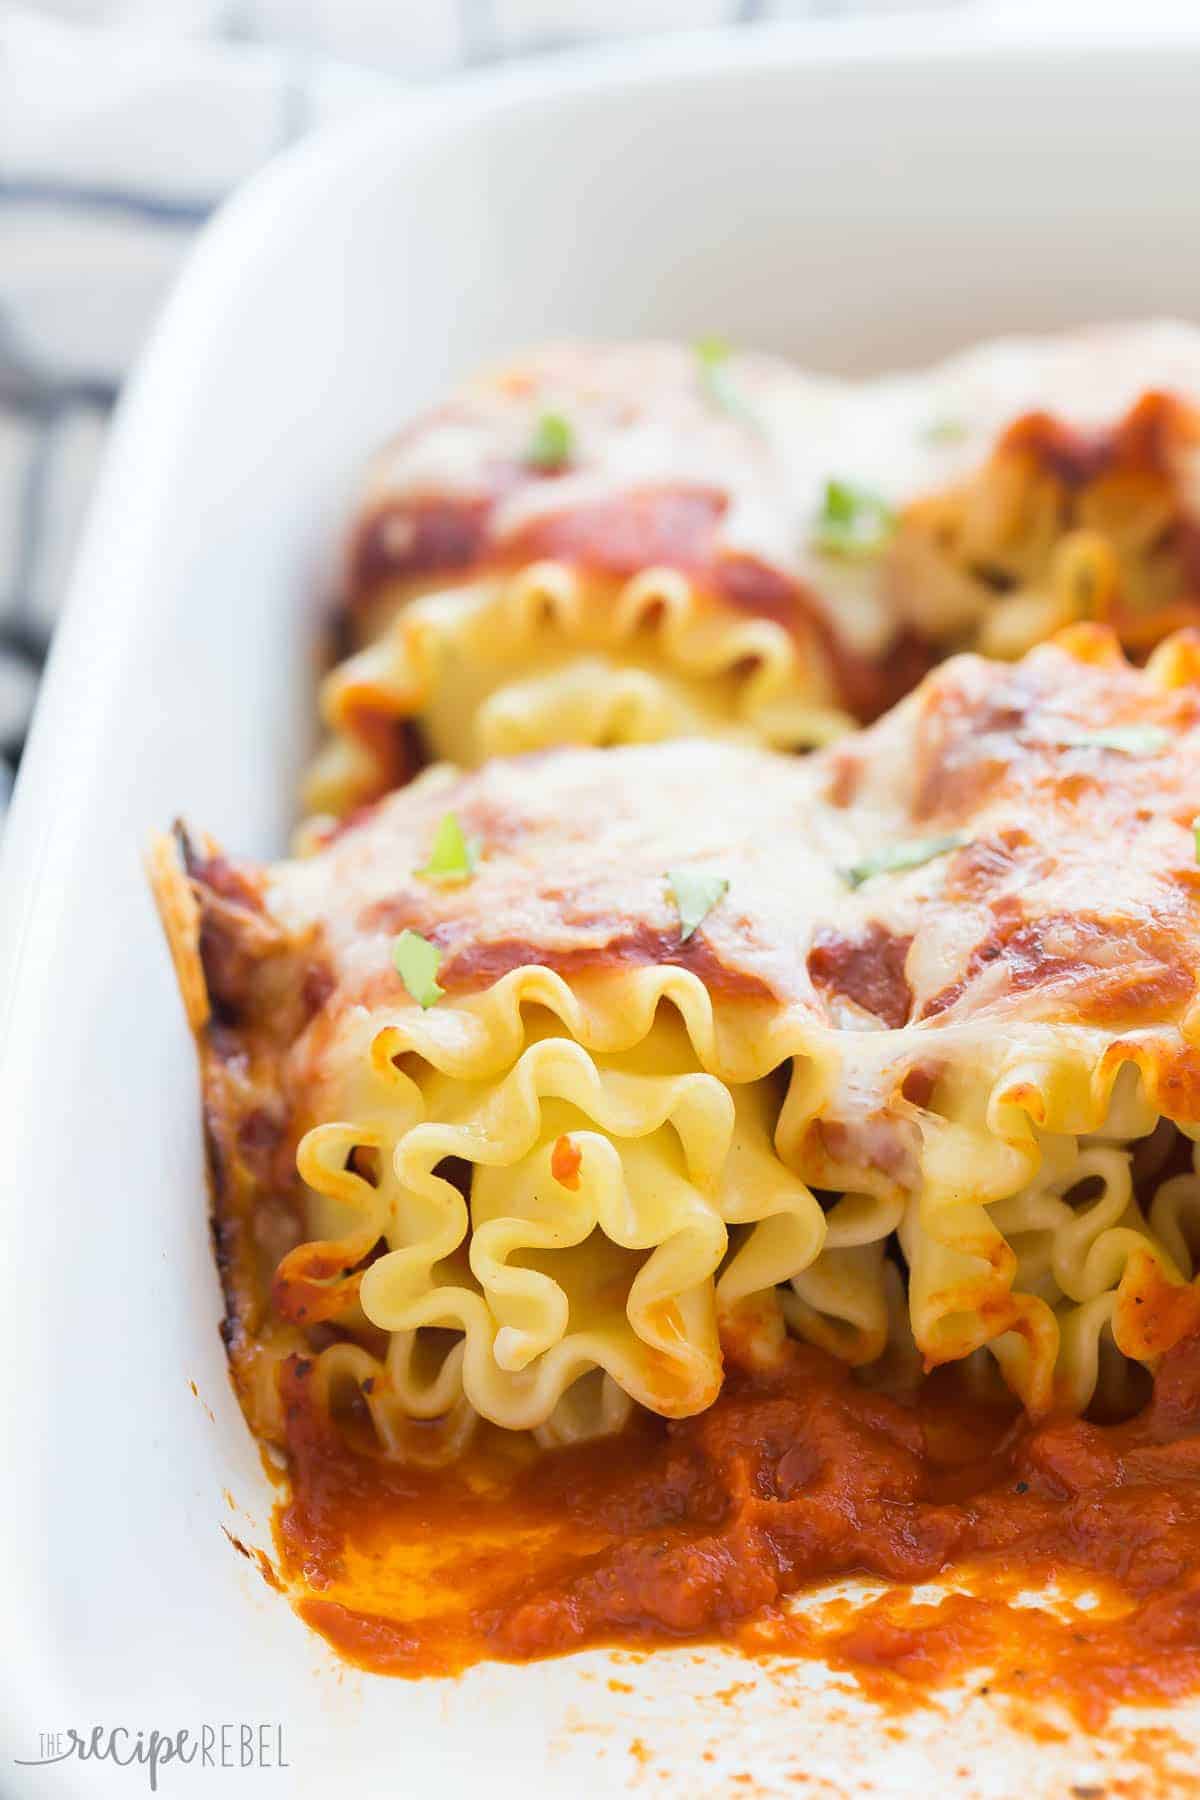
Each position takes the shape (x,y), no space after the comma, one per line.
(701,1529)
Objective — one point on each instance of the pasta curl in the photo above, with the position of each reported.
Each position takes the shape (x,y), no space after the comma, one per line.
(1059,525)
(609,1265)
(552,655)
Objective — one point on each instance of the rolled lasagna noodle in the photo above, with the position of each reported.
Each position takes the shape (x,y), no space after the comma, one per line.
(919,1083)
(646,573)
(1061,524)
(1068,490)
(624,543)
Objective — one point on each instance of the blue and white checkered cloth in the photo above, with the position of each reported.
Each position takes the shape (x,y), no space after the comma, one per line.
(122,124)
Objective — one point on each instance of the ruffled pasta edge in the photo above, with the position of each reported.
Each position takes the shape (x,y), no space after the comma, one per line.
(674,633)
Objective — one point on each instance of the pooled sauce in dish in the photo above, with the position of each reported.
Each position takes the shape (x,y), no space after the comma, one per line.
(700,1529)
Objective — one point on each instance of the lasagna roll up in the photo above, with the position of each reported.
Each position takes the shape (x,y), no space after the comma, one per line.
(539,1091)
(1070,491)
(599,544)
(497,1129)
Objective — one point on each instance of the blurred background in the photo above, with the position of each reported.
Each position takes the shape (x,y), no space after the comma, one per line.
(124,123)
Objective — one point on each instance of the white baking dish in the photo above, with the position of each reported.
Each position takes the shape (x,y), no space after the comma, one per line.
(852,195)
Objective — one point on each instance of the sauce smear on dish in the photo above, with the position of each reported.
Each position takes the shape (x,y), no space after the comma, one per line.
(701,1529)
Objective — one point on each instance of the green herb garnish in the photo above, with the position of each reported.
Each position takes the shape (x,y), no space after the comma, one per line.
(1196,835)
(852,521)
(902,856)
(695,895)
(416,961)
(712,353)
(1132,740)
(712,367)
(945,431)
(551,444)
(453,856)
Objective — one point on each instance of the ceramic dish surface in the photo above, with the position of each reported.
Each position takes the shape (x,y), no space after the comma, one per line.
(857,198)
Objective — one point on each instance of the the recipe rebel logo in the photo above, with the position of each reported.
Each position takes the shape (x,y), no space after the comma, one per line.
(243,1744)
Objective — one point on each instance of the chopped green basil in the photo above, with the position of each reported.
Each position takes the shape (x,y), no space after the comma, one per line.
(551,444)
(1132,740)
(416,961)
(945,431)
(695,894)
(711,353)
(903,856)
(453,856)
(1196,835)
(852,521)
(712,367)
